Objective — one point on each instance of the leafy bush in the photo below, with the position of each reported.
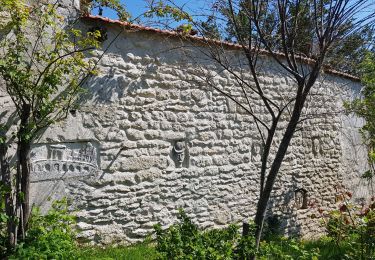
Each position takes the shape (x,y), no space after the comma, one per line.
(49,236)
(352,227)
(185,241)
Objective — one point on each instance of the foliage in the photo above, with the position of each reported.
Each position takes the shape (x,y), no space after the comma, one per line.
(284,248)
(43,64)
(352,227)
(348,55)
(161,9)
(50,236)
(344,55)
(35,65)
(169,12)
(210,28)
(327,248)
(185,241)
(364,107)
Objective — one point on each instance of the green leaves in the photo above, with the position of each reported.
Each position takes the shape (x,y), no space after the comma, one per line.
(43,63)
(364,107)
(50,236)
(185,241)
(160,9)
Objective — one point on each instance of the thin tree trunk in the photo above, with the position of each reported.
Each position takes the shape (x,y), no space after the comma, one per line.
(263,200)
(25,186)
(23,171)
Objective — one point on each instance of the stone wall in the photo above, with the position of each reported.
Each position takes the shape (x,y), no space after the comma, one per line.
(151,137)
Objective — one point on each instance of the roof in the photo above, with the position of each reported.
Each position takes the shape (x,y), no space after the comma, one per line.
(199,39)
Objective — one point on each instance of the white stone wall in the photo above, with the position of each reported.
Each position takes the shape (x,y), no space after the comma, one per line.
(148,95)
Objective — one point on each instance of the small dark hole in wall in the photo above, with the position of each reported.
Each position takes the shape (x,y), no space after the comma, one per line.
(73,112)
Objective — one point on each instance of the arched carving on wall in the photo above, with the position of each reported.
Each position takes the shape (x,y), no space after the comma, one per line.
(64,160)
(300,196)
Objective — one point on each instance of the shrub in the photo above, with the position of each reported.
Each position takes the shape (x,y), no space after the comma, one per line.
(185,241)
(352,227)
(49,236)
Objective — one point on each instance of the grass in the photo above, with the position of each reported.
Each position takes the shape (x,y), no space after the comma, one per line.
(327,250)
(137,252)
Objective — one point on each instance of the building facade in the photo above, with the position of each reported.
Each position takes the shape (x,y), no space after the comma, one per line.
(152,136)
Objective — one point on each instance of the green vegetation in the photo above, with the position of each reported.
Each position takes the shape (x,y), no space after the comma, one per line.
(184,240)
(141,251)
(364,107)
(350,235)
(43,65)
(50,236)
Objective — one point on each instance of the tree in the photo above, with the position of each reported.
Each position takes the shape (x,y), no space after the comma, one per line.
(43,66)
(348,55)
(329,21)
(344,55)
(365,108)
(298,35)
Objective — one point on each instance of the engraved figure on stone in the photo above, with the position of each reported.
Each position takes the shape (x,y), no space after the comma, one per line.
(300,196)
(179,153)
(256,152)
(56,167)
(68,160)
(37,168)
(316,147)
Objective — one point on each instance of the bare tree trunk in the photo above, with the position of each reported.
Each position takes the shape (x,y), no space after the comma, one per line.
(23,172)
(25,186)
(281,152)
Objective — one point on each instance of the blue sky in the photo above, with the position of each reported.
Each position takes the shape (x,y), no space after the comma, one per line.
(194,7)
(138,7)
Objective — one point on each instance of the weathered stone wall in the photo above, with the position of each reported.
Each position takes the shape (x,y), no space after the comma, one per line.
(115,155)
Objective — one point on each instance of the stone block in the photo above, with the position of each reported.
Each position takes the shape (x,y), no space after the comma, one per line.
(134,135)
(143,163)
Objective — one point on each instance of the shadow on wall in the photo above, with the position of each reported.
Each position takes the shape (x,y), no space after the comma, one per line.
(111,86)
(289,213)
(282,217)
(6,131)
(104,89)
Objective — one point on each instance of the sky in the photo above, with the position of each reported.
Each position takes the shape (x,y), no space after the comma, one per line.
(138,7)
(194,7)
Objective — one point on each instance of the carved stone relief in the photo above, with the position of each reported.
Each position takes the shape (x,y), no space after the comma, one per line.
(316,147)
(180,154)
(300,196)
(63,160)
(256,152)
